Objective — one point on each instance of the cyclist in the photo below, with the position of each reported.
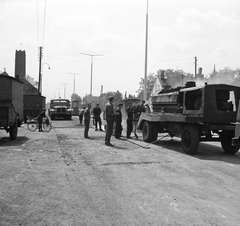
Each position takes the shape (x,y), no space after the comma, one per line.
(40,120)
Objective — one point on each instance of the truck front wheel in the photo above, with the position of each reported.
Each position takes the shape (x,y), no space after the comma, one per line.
(147,131)
(190,139)
(13,131)
(226,142)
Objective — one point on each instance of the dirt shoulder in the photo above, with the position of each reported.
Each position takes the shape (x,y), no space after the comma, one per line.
(60,178)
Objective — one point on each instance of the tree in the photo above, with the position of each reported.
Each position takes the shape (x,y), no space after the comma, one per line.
(32,81)
(105,96)
(151,78)
(226,76)
(75,97)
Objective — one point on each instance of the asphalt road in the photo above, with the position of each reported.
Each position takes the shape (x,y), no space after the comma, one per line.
(60,178)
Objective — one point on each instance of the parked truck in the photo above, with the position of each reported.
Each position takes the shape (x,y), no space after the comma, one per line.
(11,105)
(60,108)
(195,114)
(33,105)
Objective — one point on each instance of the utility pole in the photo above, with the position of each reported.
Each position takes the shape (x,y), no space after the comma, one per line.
(40,72)
(195,62)
(90,101)
(74,80)
(65,89)
(146,50)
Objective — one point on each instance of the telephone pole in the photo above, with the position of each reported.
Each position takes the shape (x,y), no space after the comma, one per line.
(40,72)
(195,63)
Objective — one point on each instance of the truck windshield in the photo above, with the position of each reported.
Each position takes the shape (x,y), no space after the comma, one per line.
(60,103)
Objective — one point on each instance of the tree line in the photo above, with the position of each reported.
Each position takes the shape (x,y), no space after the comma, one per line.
(173,77)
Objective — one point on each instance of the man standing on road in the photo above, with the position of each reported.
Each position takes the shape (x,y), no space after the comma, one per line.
(129,119)
(81,113)
(40,120)
(87,118)
(96,113)
(110,120)
(118,122)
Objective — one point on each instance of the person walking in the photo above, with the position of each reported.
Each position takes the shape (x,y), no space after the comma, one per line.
(96,114)
(129,119)
(118,122)
(81,113)
(110,120)
(87,118)
(136,115)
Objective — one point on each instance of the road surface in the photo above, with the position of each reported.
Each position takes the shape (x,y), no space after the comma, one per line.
(62,179)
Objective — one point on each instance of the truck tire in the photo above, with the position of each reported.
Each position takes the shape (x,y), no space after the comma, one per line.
(226,142)
(147,131)
(190,139)
(13,131)
(52,117)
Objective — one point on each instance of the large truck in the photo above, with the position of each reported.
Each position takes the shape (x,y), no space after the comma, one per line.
(33,105)
(60,108)
(195,114)
(11,105)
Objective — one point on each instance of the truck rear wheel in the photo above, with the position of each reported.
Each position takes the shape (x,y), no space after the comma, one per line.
(190,139)
(13,131)
(147,131)
(226,142)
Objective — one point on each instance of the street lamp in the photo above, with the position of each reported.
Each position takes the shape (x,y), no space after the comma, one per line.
(91,72)
(65,89)
(40,78)
(74,80)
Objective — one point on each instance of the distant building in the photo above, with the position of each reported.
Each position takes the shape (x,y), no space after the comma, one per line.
(160,83)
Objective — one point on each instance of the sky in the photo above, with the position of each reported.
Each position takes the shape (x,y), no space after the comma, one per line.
(115,30)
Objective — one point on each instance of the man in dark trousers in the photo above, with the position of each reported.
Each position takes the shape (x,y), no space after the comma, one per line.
(81,113)
(118,122)
(129,119)
(110,120)
(96,113)
(40,120)
(87,118)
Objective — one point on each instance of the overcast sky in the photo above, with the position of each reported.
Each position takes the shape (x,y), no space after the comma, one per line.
(178,30)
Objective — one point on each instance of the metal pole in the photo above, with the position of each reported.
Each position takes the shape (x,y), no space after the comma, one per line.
(90,99)
(40,72)
(146,49)
(91,79)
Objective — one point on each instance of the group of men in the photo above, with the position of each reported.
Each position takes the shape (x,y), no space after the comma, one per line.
(111,116)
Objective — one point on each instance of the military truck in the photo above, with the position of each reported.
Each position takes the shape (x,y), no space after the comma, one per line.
(11,104)
(60,108)
(195,114)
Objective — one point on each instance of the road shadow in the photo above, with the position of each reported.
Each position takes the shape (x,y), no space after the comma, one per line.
(6,141)
(205,151)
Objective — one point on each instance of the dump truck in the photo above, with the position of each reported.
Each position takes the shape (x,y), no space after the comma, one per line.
(195,114)
(11,104)
(60,108)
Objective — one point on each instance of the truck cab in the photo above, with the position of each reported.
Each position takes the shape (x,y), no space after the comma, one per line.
(60,108)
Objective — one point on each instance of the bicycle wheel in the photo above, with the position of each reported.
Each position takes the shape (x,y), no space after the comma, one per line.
(47,126)
(32,126)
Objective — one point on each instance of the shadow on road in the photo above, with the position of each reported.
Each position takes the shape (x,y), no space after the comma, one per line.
(205,151)
(6,141)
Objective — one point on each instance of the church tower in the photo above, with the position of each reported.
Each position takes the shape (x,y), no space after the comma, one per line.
(20,64)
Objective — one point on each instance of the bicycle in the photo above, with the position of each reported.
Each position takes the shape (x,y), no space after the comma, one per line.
(33,124)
